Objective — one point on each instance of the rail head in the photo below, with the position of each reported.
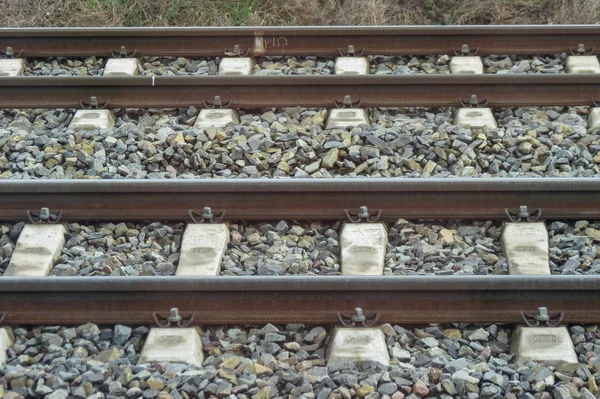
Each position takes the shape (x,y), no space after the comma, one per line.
(239,300)
(300,199)
(300,40)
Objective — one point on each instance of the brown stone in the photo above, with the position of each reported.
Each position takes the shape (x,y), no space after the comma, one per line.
(452,333)
(365,390)
(420,389)
(264,393)
(434,375)
(260,369)
(154,383)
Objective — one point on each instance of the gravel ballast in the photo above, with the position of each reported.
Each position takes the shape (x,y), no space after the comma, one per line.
(529,142)
(379,65)
(267,361)
(309,248)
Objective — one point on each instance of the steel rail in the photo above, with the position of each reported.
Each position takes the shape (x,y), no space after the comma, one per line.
(306,40)
(307,199)
(233,300)
(308,91)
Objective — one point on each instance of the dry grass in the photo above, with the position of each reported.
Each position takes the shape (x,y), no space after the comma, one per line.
(293,12)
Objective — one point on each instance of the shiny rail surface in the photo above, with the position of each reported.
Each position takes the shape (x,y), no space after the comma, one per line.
(305,40)
(301,199)
(314,300)
(307,91)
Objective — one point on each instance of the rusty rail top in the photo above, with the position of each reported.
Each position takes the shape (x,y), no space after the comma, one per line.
(305,40)
(296,299)
(301,199)
(307,91)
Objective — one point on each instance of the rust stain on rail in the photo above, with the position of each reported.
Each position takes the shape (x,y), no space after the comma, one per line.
(263,44)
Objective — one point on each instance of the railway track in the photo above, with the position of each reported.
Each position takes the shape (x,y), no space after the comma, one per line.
(246,222)
(118,300)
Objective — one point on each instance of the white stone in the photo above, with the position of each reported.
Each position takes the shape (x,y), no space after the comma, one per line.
(215,118)
(121,67)
(7,339)
(37,249)
(88,119)
(351,66)
(594,119)
(177,345)
(12,66)
(466,65)
(475,117)
(583,64)
(358,344)
(236,66)
(363,248)
(202,248)
(543,344)
(525,246)
(344,117)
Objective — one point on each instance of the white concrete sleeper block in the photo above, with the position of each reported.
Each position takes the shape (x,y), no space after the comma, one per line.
(12,66)
(215,118)
(583,64)
(357,344)
(347,117)
(236,66)
(525,246)
(38,248)
(202,248)
(121,67)
(550,345)
(466,65)
(177,345)
(90,119)
(594,119)
(7,339)
(363,249)
(475,117)
(351,66)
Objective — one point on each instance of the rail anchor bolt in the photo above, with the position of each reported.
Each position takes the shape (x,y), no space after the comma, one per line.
(174,316)
(542,318)
(523,214)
